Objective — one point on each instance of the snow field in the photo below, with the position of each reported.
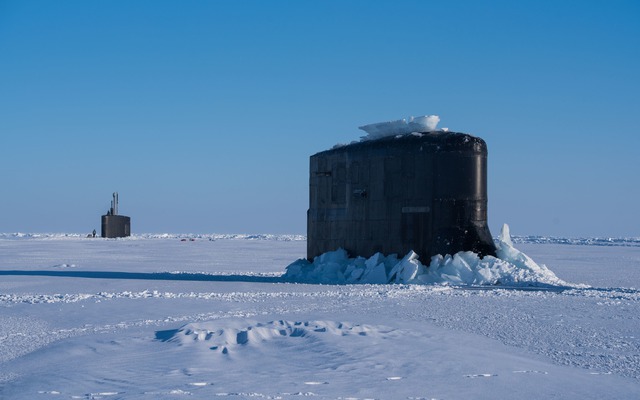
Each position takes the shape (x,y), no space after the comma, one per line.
(115,337)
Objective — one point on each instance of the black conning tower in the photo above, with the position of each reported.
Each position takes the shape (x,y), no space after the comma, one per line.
(422,192)
(114,225)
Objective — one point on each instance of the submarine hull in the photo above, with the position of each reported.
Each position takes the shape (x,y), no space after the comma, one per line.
(422,192)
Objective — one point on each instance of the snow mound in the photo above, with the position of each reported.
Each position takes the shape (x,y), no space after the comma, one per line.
(426,123)
(224,339)
(510,268)
(64,266)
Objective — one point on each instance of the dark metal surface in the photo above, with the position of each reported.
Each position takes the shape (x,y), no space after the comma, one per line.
(426,193)
(115,226)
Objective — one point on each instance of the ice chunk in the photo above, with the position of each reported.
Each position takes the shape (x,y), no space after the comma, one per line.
(523,264)
(510,268)
(426,123)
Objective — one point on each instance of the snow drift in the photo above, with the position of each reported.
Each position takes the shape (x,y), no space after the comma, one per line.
(510,268)
(225,338)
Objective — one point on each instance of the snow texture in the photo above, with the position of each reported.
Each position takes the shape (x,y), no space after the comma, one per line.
(142,236)
(228,339)
(586,241)
(156,317)
(511,268)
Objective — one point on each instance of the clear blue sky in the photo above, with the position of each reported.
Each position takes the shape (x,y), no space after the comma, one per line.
(202,114)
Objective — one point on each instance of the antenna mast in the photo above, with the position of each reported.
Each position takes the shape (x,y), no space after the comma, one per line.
(114,204)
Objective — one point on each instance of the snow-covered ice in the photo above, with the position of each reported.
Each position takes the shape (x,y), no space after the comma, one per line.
(153,317)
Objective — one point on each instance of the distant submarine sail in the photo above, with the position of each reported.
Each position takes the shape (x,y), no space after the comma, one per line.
(113,224)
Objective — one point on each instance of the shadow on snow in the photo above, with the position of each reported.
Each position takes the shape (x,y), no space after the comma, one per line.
(158,276)
(204,277)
